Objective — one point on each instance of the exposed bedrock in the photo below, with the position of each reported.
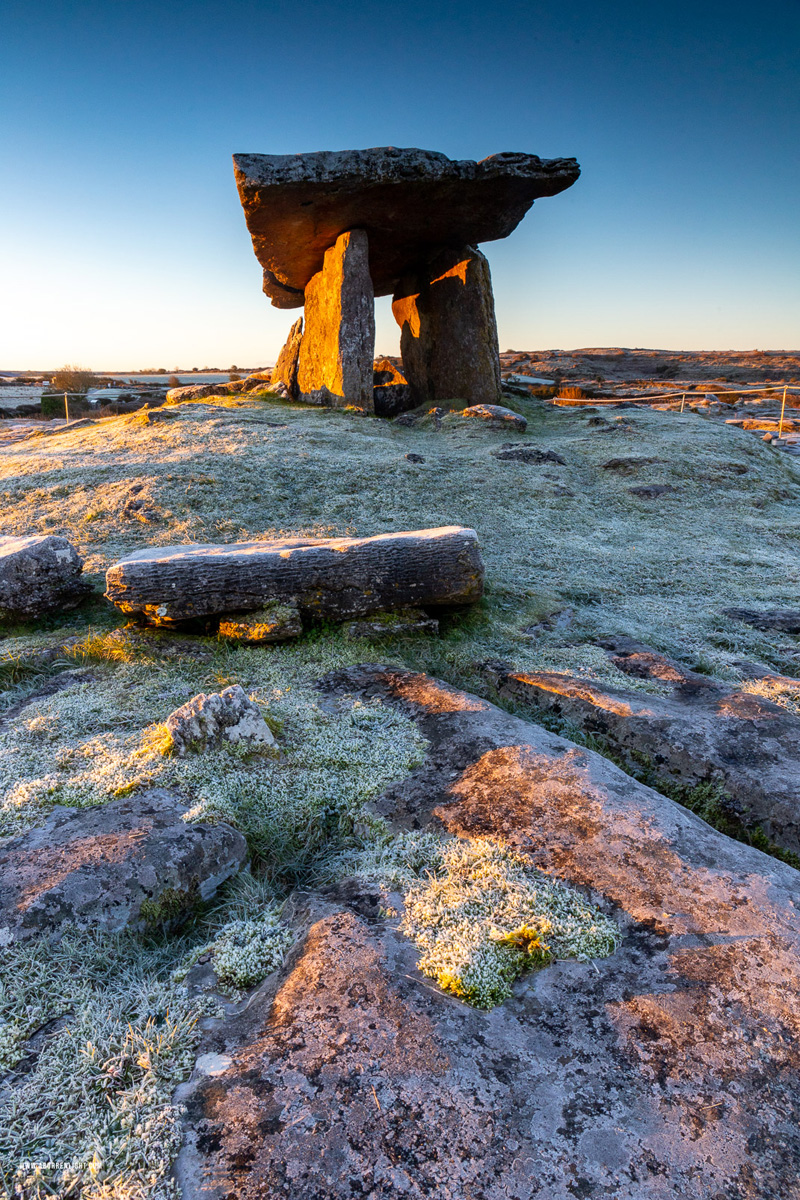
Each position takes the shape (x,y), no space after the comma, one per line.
(324,577)
(411,202)
(448,338)
(133,861)
(702,732)
(670,1068)
(337,347)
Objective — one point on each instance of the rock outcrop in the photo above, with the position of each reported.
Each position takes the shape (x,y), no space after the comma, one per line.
(412,203)
(703,732)
(324,577)
(39,574)
(782,620)
(670,1068)
(338,346)
(448,337)
(493,415)
(131,862)
(208,720)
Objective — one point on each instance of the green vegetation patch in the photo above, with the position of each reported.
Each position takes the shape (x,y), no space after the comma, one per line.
(480,914)
(103,736)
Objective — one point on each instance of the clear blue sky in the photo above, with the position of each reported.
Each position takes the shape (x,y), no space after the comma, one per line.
(123,244)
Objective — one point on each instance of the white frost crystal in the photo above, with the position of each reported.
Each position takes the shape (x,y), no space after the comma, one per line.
(480,913)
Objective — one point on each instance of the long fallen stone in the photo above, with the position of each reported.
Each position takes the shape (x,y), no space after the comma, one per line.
(131,862)
(702,733)
(325,577)
(669,1069)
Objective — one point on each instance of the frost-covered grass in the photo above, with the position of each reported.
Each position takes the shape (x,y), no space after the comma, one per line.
(479,913)
(785,692)
(554,537)
(102,736)
(571,557)
(118,1037)
(248,939)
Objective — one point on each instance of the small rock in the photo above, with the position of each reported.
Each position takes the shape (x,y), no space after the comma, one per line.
(133,861)
(274,622)
(495,416)
(527,454)
(415,458)
(652,491)
(391,624)
(38,575)
(206,721)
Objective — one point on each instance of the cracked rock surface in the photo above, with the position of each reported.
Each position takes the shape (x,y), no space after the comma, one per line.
(38,574)
(95,868)
(703,731)
(669,1069)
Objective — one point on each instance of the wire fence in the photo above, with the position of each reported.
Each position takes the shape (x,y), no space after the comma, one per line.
(786,389)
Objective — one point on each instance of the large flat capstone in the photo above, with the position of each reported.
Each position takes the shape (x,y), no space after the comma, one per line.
(131,862)
(328,577)
(411,203)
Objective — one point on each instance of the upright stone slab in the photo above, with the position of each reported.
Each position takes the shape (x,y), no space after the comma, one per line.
(449,345)
(338,345)
(285,369)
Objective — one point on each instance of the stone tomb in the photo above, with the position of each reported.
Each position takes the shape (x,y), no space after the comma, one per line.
(334,230)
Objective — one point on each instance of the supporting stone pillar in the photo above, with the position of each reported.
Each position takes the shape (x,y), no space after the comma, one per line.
(285,369)
(449,334)
(338,344)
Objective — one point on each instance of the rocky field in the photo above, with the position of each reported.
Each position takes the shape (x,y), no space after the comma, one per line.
(499,909)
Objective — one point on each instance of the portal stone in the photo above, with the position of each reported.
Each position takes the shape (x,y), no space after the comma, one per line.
(448,338)
(285,369)
(338,345)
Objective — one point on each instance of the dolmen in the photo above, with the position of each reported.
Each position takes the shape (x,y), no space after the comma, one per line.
(329,578)
(332,230)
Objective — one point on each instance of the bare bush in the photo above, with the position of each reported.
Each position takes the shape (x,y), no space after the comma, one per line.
(72,379)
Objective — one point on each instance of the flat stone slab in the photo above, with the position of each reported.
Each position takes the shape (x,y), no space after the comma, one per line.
(703,732)
(39,574)
(131,862)
(329,577)
(669,1069)
(410,202)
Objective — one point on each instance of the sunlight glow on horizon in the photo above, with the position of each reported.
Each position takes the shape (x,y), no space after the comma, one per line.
(123,244)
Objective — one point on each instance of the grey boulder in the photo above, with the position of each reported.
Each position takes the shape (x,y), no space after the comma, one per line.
(206,721)
(39,574)
(131,862)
